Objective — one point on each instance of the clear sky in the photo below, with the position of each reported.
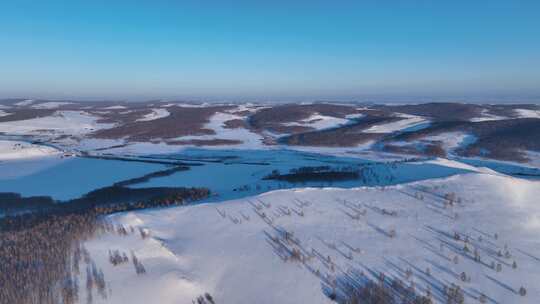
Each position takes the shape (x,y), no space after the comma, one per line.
(270,49)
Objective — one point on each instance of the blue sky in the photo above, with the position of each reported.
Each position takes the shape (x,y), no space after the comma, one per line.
(270,49)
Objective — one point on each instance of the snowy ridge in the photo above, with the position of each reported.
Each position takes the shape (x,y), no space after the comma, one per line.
(405,231)
(319,122)
(50,105)
(409,121)
(62,122)
(486,116)
(26,102)
(525,113)
(155,114)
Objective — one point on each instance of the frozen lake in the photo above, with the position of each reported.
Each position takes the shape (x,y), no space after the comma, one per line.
(227,173)
(241,173)
(68,178)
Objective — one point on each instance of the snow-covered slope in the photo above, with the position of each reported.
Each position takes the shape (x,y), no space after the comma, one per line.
(155,114)
(526,113)
(409,121)
(12,150)
(248,139)
(61,122)
(486,116)
(320,122)
(50,105)
(238,255)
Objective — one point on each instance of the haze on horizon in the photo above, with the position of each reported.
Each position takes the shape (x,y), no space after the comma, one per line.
(279,50)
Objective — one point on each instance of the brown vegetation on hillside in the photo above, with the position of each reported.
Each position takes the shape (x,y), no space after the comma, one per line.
(24,114)
(182,121)
(272,119)
(235,124)
(498,139)
(344,136)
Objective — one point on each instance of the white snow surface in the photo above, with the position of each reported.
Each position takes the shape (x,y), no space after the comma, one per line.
(4,113)
(155,114)
(13,150)
(355,116)
(319,122)
(26,102)
(118,107)
(250,107)
(250,140)
(452,140)
(61,122)
(50,105)
(486,116)
(534,158)
(408,122)
(227,250)
(526,113)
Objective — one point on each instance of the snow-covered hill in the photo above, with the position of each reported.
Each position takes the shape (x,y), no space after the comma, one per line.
(14,150)
(299,246)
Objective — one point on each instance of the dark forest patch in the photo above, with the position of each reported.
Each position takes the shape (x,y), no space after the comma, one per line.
(315,174)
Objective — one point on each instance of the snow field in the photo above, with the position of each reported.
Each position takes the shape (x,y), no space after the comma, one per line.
(14,150)
(407,232)
(61,122)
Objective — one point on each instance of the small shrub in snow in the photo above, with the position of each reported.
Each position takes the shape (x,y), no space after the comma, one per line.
(115,258)
(408,273)
(476,255)
(296,255)
(454,294)
(144,233)
(139,268)
(206,299)
(522,291)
